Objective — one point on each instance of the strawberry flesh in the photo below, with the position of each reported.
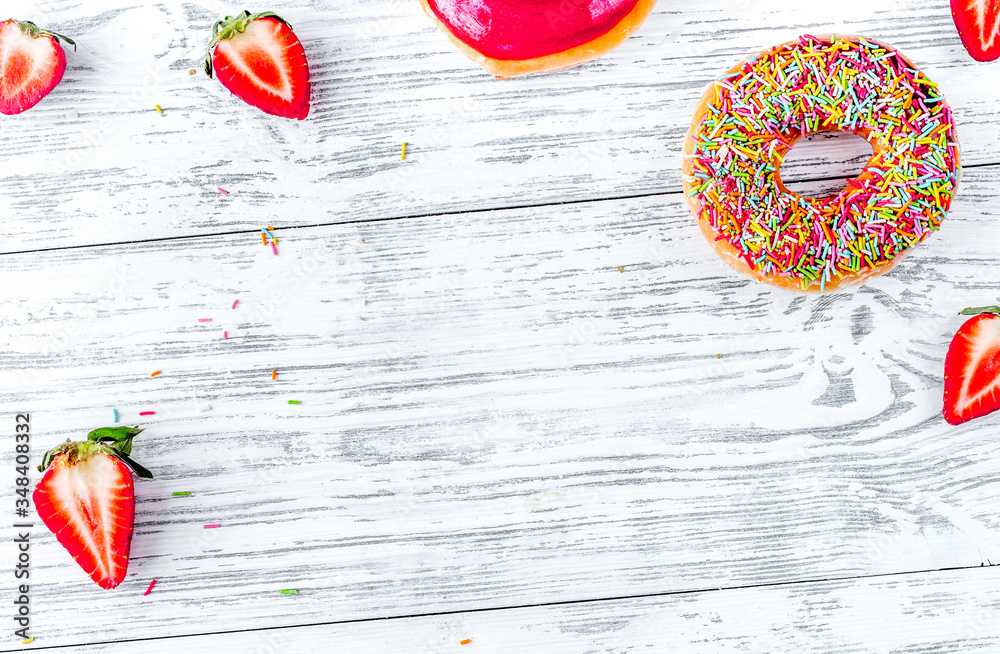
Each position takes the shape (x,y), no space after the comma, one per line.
(978,23)
(31,64)
(87,499)
(90,507)
(264,64)
(972,370)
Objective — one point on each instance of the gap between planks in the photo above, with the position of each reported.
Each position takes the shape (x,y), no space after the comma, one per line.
(514,607)
(415,216)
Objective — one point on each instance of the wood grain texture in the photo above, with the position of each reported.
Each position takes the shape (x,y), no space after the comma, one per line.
(956,611)
(94,162)
(493,415)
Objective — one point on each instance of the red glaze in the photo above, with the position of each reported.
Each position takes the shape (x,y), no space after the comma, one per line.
(525,29)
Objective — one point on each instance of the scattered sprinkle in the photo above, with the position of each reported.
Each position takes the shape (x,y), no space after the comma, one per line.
(718,356)
(222,190)
(212,526)
(115,411)
(235,302)
(154,374)
(274,246)
(191,72)
(225,335)
(621,269)
(270,228)
(158,110)
(288,591)
(182,493)
(756,112)
(274,374)
(402,156)
(147,413)
(204,320)
(25,642)
(263,238)
(294,402)
(465,642)
(151,584)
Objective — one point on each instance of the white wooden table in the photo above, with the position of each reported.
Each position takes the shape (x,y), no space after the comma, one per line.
(502,437)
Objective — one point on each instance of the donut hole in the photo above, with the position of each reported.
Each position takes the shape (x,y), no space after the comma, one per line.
(818,165)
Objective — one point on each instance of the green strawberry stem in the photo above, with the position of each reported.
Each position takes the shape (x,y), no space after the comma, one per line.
(975,311)
(228,26)
(113,441)
(34,31)
(117,438)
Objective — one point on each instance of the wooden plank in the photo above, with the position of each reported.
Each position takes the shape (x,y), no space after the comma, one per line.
(95,163)
(955,611)
(492,414)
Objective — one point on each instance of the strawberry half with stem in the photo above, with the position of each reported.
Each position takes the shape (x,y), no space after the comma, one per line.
(31,64)
(972,367)
(87,500)
(978,23)
(259,59)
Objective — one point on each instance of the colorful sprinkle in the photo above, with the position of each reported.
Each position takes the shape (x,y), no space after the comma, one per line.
(755,114)
(182,493)
(225,335)
(263,237)
(222,190)
(115,411)
(212,526)
(294,402)
(274,246)
(235,302)
(465,642)
(289,591)
(158,110)
(147,413)
(402,156)
(274,374)
(204,320)
(149,590)
(155,373)
(25,642)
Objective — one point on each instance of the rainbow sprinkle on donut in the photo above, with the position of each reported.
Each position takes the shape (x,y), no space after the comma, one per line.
(754,114)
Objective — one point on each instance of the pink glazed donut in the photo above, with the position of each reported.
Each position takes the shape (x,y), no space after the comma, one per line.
(514,37)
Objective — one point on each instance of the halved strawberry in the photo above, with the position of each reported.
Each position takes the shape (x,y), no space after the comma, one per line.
(978,23)
(31,64)
(259,59)
(972,367)
(87,500)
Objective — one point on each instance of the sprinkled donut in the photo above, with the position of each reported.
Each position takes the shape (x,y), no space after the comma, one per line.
(750,117)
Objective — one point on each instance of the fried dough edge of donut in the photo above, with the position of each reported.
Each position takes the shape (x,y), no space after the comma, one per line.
(579,54)
(726,250)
